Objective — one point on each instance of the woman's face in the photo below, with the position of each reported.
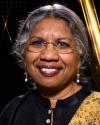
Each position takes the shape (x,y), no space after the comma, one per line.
(48,67)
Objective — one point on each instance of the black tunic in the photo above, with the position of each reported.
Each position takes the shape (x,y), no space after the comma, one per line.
(33,109)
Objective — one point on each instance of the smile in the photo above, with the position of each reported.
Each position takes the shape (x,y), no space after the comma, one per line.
(49,72)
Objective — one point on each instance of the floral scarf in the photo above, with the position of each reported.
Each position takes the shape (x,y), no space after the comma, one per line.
(89,111)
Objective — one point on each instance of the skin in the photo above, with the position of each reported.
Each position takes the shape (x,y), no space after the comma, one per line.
(57,83)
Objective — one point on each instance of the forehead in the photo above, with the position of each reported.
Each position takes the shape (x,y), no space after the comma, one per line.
(52,25)
(48,21)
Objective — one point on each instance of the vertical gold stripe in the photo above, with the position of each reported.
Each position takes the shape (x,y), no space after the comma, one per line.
(92,23)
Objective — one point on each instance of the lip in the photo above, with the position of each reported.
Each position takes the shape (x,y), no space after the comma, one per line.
(49,71)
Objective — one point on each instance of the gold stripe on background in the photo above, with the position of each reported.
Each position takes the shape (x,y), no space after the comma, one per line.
(92,24)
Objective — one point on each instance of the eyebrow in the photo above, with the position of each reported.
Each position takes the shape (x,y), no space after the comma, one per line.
(38,37)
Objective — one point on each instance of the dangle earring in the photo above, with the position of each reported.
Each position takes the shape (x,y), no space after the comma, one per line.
(26,76)
(78,77)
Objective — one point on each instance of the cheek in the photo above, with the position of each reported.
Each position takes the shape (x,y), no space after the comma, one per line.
(71,60)
(30,58)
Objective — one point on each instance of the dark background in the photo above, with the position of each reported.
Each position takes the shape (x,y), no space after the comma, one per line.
(11,76)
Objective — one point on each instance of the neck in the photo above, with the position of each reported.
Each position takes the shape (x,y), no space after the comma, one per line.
(65,93)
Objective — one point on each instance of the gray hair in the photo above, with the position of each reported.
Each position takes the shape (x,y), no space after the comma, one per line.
(57,11)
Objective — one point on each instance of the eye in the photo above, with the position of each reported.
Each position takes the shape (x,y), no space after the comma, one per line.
(37,42)
(62,44)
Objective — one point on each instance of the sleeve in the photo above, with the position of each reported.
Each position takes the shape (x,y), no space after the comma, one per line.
(4,119)
(8,113)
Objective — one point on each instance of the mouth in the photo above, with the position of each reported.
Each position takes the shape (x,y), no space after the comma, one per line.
(49,71)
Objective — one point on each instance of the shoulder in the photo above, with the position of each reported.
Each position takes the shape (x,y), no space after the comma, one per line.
(10,109)
(89,111)
(94,97)
(92,103)
(95,94)
(93,100)
(19,99)
(14,103)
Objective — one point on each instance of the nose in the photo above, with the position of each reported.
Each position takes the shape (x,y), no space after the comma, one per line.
(49,53)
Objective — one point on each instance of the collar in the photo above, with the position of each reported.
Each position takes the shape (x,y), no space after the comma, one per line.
(75,99)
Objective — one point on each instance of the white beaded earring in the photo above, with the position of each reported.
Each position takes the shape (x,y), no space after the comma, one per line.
(26,76)
(78,78)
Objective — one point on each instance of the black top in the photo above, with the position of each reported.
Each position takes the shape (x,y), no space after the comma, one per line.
(33,109)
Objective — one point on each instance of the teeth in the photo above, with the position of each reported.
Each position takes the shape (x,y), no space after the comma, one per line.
(48,70)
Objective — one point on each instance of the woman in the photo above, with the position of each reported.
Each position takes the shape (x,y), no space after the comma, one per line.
(52,47)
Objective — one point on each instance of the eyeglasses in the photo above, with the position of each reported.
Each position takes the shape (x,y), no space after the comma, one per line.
(60,45)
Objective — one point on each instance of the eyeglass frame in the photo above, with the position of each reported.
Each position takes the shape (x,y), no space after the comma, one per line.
(45,44)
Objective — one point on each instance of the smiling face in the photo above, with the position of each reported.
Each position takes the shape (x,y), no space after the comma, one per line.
(48,67)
